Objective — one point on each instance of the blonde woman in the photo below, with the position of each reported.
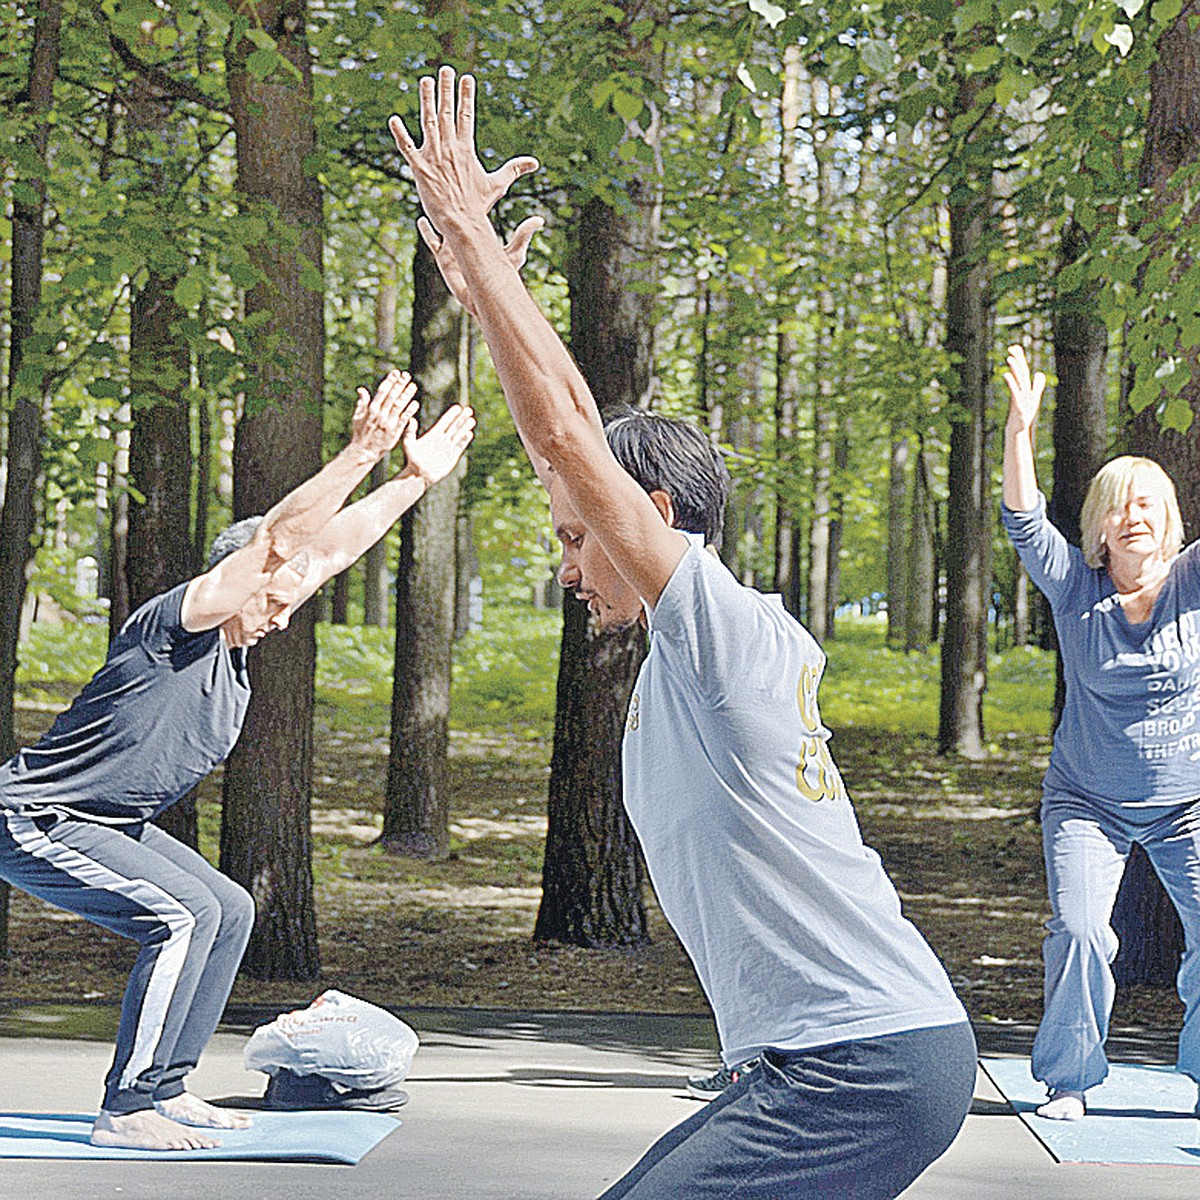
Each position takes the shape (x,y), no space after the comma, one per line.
(1126,761)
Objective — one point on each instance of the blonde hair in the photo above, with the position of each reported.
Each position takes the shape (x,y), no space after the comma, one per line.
(1110,490)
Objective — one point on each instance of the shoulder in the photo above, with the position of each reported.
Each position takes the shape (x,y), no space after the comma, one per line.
(158,624)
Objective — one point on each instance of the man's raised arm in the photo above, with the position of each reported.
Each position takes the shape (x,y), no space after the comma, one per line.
(290,526)
(551,403)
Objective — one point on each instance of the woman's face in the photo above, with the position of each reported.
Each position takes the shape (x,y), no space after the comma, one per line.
(1137,529)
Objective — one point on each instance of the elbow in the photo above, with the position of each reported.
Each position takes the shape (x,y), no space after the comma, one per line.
(275,543)
(570,431)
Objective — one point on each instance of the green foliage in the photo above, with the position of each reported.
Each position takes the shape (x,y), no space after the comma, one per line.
(70,653)
(870,685)
(504,675)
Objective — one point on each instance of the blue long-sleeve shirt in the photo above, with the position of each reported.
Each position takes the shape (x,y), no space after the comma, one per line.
(1129,732)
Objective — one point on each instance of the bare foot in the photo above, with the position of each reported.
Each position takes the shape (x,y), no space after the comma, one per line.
(191,1110)
(147,1130)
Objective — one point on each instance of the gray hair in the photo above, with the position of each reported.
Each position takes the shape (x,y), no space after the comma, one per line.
(232,538)
(237,535)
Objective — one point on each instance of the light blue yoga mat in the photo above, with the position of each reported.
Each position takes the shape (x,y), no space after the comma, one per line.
(1139,1114)
(327,1137)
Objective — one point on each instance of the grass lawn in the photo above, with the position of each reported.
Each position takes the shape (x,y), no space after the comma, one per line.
(959,838)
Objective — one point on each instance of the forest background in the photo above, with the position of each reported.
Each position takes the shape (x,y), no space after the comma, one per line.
(812,228)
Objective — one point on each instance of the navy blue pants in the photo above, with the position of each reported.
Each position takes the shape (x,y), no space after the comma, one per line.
(191,922)
(855,1121)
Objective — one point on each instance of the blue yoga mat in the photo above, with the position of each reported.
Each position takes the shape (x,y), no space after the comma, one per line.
(1139,1114)
(327,1137)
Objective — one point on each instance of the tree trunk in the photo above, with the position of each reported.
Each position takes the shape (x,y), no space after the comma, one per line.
(375,561)
(837,523)
(416,816)
(158,552)
(899,564)
(1151,936)
(787,375)
(968,526)
(922,605)
(592,873)
(1080,429)
(266,842)
(818,609)
(18,519)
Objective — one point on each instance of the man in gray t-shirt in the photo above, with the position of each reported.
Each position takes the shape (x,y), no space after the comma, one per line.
(867,1062)
(166,707)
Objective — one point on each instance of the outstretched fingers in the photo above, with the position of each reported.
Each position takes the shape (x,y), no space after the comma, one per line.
(429,235)
(456,423)
(465,123)
(445,103)
(502,178)
(518,245)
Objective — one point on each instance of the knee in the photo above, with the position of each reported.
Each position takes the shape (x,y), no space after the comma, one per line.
(237,909)
(1087,930)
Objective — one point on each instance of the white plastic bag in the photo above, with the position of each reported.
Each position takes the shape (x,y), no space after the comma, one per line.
(347,1041)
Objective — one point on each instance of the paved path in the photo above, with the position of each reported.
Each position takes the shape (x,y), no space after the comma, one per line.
(516,1106)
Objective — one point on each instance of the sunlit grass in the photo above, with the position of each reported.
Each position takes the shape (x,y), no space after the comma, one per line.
(867,684)
(504,676)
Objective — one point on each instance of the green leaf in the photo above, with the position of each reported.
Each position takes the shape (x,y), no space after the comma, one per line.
(261,38)
(105,389)
(983,58)
(311,277)
(1166,11)
(244,274)
(627,106)
(771,13)
(189,291)
(766,82)
(261,63)
(1177,415)
(972,13)
(877,55)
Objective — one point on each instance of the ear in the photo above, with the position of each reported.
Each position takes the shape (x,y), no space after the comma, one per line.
(665,505)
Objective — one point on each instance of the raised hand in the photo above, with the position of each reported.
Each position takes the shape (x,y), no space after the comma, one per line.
(516,250)
(1024,390)
(380,420)
(435,453)
(451,181)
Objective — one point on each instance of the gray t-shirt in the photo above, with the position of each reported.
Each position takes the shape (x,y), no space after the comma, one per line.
(1128,733)
(752,843)
(166,707)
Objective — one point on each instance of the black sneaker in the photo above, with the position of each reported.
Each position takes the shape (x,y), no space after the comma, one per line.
(709,1087)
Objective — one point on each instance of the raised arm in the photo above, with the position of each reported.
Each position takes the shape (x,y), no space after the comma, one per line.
(515,251)
(1025,392)
(291,525)
(551,404)
(354,530)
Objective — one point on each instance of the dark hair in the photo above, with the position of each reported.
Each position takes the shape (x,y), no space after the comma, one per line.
(675,457)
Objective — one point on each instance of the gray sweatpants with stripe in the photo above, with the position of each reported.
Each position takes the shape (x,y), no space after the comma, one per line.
(191,922)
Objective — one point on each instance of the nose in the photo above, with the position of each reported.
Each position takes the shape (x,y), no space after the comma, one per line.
(568,572)
(280,619)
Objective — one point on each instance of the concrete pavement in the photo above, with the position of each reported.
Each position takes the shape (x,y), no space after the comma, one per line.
(511,1106)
